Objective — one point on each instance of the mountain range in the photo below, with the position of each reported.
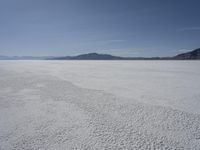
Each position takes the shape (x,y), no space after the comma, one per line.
(192,55)
(195,54)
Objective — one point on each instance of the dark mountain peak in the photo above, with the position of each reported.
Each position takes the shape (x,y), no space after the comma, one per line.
(91,56)
(195,54)
(94,54)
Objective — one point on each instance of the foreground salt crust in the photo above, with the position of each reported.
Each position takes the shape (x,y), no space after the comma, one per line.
(41,109)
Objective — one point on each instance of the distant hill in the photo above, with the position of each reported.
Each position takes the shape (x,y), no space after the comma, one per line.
(90,56)
(96,56)
(195,54)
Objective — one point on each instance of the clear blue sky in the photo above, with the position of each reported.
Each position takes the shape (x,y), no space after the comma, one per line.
(119,27)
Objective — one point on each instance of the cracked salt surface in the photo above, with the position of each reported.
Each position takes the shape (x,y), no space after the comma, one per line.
(46,111)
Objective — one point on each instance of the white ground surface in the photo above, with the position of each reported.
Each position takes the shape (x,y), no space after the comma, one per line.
(99,105)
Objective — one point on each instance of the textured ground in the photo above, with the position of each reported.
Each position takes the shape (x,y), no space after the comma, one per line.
(99,105)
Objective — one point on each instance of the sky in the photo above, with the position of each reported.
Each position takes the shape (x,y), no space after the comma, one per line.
(118,27)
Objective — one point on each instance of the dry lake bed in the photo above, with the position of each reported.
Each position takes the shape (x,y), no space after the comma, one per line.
(64,105)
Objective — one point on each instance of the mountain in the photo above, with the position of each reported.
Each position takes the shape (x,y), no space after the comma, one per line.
(195,54)
(192,55)
(90,56)
(96,56)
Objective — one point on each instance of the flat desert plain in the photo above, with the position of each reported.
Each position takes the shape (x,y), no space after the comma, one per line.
(64,105)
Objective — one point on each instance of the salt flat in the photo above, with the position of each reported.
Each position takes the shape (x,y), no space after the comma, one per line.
(99,105)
